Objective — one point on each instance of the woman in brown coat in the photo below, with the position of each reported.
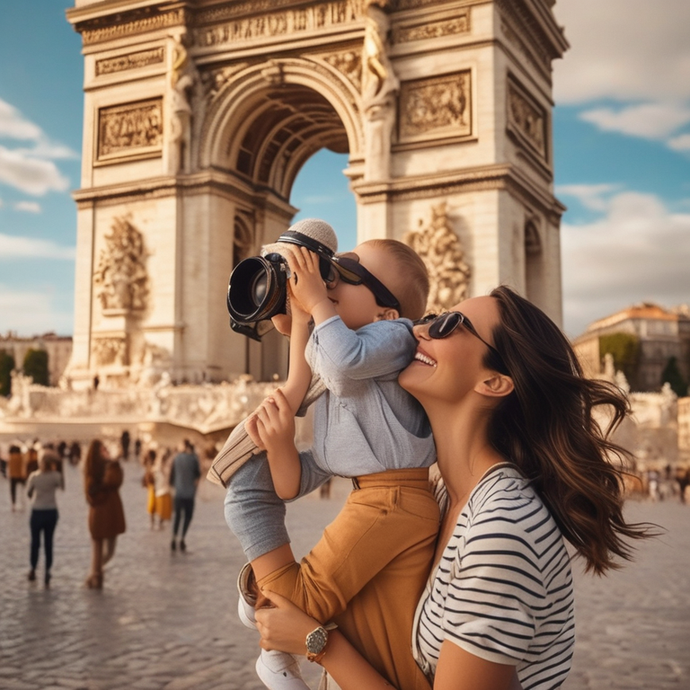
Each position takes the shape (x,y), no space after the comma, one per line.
(102,480)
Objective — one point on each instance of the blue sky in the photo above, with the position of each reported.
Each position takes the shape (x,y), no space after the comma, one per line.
(621,149)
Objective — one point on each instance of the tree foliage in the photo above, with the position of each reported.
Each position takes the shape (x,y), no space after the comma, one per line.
(6,366)
(36,366)
(671,374)
(625,349)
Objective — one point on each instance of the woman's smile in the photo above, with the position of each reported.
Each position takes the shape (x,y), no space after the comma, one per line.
(423,357)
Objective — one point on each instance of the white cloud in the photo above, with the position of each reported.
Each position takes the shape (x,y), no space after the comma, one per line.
(30,169)
(14,126)
(623,49)
(591,196)
(648,120)
(28,206)
(31,175)
(680,143)
(13,247)
(637,252)
(29,313)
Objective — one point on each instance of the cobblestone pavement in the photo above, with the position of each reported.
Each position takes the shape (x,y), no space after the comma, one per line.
(167,620)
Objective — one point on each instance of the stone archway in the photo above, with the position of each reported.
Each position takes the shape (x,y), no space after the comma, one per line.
(199,116)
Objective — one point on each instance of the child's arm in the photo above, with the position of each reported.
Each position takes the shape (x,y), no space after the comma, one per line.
(272,428)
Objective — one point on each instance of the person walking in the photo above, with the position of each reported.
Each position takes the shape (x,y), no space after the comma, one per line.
(148,482)
(184,477)
(41,487)
(15,472)
(163,493)
(102,480)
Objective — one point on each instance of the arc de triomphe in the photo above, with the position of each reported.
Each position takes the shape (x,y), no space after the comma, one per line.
(199,114)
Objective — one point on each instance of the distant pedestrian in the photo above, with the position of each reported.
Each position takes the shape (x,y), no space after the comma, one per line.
(16,472)
(137,449)
(148,482)
(75,453)
(184,476)
(124,443)
(102,480)
(163,497)
(41,487)
(32,457)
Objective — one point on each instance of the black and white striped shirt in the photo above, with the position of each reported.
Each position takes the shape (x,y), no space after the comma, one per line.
(503,589)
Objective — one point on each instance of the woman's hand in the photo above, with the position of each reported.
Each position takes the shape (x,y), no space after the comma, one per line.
(285,626)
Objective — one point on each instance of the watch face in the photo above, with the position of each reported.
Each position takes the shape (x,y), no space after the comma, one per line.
(316,641)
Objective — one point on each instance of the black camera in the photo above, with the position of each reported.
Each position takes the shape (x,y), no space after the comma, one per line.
(258,285)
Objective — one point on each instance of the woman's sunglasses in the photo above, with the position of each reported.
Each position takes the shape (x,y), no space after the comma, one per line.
(441,326)
(348,269)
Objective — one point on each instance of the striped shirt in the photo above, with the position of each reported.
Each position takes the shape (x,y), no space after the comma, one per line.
(503,589)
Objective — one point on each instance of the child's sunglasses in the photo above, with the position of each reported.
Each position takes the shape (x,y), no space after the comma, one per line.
(441,326)
(348,269)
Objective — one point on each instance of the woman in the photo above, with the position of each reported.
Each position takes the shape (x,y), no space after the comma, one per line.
(41,487)
(163,493)
(15,472)
(523,465)
(148,482)
(102,480)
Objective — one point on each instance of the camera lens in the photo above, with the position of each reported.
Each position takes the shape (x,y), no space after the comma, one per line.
(257,289)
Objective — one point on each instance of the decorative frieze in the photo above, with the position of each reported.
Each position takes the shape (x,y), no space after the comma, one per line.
(133,128)
(442,253)
(526,119)
(121,278)
(348,63)
(109,28)
(438,107)
(289,21)
(460,24)
(142,58)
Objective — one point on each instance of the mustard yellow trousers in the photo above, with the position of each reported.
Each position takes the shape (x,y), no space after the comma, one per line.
(369,569)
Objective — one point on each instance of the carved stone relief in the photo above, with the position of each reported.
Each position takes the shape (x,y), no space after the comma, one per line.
(280,23)
(107,351)
(526,119)
(348,63)
(460,24)
(442,252)
(142,58)
(141,21)
(121,279)
(129,129)
(436,107)
(215,79)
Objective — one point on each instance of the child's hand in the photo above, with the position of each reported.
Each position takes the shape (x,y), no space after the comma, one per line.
(273,422)
(306,284)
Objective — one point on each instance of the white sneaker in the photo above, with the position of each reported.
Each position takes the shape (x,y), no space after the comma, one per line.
(246,601)
(280,671)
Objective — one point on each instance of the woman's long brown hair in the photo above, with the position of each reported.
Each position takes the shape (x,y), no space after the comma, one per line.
(545,426)
(94,467)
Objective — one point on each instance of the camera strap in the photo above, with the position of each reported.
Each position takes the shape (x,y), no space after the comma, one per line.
(292,237)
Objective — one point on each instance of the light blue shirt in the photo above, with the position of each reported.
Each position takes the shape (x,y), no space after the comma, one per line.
(365,422)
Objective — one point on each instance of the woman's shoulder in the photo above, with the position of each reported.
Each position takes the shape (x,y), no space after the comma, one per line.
(504,501)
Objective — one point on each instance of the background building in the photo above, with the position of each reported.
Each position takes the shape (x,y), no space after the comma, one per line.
(58,347)
(643,339)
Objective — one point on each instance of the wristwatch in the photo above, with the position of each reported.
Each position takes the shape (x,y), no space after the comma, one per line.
(316,643)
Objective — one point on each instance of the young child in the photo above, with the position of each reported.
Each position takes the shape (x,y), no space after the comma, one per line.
(370,566)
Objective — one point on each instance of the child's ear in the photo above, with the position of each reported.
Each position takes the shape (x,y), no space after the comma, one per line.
(498,386)
(387,315)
